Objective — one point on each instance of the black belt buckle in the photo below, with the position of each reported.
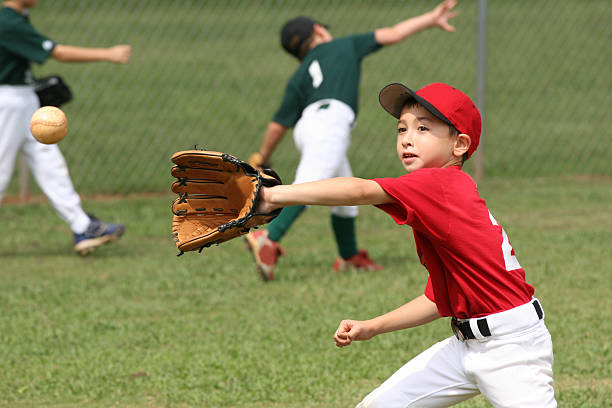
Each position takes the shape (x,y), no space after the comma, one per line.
(458,334)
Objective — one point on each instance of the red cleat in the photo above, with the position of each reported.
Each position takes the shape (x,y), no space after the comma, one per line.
(265,252)
(359,261)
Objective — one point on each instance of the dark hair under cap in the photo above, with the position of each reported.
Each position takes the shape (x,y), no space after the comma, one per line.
(295,33)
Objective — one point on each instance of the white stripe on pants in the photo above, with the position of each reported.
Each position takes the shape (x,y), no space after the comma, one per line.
(322,135)
(46,162)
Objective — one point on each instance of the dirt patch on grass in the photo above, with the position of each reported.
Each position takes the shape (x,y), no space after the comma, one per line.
(42,199)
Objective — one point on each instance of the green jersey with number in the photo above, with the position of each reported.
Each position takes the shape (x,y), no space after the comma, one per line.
(331,70)
(20,44)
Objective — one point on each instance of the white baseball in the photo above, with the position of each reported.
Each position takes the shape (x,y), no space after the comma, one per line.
(49,125)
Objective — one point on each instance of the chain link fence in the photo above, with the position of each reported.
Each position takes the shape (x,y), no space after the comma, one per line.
(212,74)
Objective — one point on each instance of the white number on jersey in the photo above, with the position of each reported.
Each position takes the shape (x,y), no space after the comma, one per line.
(511,262)
(315,72)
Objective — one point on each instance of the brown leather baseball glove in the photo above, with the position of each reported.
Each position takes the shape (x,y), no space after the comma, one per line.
(217,197)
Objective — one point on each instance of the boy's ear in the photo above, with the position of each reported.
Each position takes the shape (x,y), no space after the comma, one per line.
(321,32)
(316,27)
(462,144)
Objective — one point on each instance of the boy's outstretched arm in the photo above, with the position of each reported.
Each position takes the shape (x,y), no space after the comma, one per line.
(438,17)
(338,191)
(119,54)
(418,311)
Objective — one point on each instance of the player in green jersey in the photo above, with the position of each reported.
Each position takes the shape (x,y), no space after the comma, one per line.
(20,46)
(320,103)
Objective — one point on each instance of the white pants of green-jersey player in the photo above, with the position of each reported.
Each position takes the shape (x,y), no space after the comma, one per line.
(322,136)
(46,162)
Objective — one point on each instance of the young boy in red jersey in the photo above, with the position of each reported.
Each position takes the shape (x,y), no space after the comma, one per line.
(501,346)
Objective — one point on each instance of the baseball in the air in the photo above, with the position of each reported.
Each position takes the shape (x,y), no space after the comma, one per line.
(49,125)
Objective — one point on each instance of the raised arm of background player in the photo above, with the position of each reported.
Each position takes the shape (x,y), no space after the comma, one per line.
(119,54)
(343,191)
(438,17)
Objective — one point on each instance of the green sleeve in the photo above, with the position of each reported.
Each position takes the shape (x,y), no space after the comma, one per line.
(365,44)
(23,40)
(291,107)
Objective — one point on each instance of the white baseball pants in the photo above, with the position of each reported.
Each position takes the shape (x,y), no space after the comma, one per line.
(513,369)
(322,135)
(46,162)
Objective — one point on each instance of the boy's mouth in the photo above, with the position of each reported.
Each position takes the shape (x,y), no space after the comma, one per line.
(409,155)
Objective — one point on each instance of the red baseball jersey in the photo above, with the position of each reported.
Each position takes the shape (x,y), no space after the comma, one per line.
(473,271)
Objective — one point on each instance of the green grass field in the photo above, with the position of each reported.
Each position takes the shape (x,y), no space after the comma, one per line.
(134,326)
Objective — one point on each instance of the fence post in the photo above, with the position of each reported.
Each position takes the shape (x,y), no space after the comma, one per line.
(481,84)
(24,179)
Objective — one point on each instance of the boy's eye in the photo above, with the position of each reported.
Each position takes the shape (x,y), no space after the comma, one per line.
(401,130)
(423,128)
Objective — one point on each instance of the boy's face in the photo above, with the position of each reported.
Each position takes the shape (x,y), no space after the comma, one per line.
(424,141)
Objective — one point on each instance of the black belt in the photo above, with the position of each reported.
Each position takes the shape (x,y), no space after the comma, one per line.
(463,331)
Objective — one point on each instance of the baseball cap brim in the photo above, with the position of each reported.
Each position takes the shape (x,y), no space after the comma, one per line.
(394,96)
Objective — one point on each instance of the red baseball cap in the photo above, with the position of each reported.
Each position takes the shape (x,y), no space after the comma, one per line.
(448,104)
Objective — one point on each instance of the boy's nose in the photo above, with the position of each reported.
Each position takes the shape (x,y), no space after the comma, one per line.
(407,139)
